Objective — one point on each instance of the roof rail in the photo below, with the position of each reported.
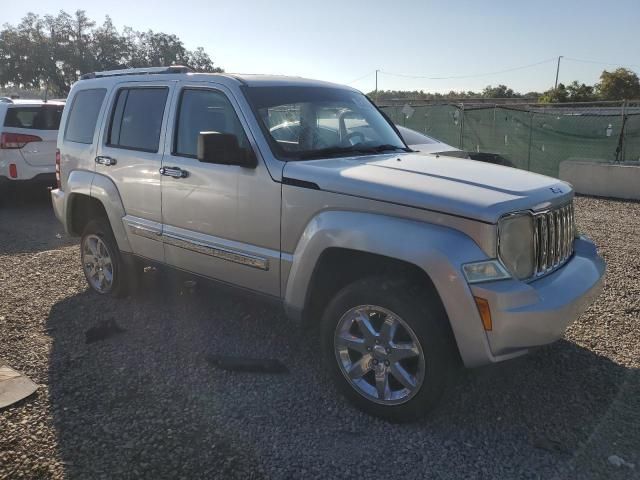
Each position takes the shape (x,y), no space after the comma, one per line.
(137,71)
(6,100)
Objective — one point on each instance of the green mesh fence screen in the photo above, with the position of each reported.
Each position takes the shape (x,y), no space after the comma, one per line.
(532,136)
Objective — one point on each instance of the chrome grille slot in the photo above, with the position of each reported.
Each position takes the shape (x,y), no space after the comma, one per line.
(554,232)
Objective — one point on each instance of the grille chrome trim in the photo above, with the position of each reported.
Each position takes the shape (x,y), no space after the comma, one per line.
(553,234)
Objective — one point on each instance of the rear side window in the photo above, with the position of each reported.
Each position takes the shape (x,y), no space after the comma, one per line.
(137,118)
(44,117)
(204,111)
(81,123)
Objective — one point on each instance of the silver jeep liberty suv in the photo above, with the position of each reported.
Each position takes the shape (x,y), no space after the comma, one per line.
(305,192)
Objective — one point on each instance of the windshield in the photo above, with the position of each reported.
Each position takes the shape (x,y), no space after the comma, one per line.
(313,122)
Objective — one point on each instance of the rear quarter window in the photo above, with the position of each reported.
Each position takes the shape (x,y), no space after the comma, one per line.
(82,119)
(39,117)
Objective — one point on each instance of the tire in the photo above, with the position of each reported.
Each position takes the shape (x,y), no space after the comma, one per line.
(418,356)
(104,267)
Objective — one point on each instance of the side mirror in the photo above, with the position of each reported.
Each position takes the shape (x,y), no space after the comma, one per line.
(223,148)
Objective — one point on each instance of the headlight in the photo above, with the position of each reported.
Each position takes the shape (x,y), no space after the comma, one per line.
(486,271)
(515,244)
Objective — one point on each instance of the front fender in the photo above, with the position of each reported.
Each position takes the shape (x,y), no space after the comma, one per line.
(439,251)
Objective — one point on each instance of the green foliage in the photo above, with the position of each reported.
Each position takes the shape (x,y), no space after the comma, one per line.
(580,92)
(386,95)
(618,85)
(501,91)
(555,95)
(53,51)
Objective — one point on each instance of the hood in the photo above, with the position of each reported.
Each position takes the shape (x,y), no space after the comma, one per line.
(450,185)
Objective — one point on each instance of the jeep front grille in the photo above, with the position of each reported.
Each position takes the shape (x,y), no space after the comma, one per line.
(553,231)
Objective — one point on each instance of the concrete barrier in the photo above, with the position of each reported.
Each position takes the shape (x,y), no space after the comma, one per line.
(616,180)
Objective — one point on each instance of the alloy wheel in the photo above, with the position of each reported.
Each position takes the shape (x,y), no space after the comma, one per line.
(97,263)
(379,354)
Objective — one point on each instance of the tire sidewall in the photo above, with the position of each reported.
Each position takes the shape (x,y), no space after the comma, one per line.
(424,318)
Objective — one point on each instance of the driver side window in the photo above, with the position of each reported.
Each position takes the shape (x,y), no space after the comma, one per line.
(202,110)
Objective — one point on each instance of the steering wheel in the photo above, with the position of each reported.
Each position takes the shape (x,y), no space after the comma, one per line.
(351,135)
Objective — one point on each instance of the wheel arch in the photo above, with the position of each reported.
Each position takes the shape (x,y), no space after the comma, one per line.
(92,195)
(338,267)
(82,209)
(429,254)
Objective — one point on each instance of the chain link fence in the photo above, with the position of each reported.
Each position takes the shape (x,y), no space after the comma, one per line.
(535,137)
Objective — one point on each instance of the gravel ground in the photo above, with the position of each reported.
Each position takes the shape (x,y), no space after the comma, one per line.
(144,403)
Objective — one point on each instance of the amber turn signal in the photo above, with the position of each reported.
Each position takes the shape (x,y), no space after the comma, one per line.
(485,312)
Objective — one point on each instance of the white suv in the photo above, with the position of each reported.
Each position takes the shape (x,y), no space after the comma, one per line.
(28,134)
(303,192)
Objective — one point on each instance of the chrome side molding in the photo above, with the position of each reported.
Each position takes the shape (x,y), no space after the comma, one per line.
(143,229)
(217,251)
(154,232)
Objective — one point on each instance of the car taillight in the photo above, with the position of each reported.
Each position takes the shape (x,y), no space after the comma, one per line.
(13,170)
(16,140)
(58,168)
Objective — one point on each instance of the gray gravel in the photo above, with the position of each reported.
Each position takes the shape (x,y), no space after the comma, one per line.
(145,403)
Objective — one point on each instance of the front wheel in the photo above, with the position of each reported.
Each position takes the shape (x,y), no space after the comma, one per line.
(102,263)
(387,347)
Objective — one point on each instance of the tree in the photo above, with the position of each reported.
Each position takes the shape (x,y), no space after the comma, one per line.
(580,92)
(53,51)
(555,95)
(200,61)
(501,91)
(109,47)
(574,92)
(618,85)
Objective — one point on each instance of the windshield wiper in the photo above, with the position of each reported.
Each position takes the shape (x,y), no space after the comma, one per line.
(351,149)
(387,146)
(330,151)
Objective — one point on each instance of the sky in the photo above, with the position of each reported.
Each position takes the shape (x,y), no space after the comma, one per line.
(347,41)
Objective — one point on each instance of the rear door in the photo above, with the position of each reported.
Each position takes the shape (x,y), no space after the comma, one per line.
(41,121)
(130,153)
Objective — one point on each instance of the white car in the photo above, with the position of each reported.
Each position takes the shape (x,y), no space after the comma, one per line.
(426,145)
(28,134)
(423,143)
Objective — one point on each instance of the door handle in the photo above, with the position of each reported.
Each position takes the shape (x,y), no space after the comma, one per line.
(106,161)
(175,172)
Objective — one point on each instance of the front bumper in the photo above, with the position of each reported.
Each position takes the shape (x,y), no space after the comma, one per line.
(527,315)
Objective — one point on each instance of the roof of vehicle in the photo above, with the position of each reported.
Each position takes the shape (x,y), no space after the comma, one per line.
(253,80)
(30,101)
(262,80)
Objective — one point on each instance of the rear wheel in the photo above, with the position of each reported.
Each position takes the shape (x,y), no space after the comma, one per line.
(102,262)
(386,347)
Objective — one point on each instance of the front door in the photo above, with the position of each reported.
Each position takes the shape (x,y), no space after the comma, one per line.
(130,154)
(221,221)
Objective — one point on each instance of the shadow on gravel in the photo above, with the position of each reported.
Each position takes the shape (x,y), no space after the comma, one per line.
(146,403)
(27,222)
